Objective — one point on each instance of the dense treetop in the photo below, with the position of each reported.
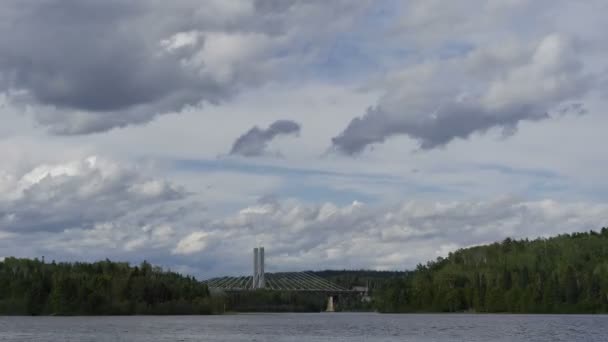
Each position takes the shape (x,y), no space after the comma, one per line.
(563,274)
(34,287)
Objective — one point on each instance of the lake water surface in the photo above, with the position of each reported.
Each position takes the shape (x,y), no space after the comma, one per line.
(308,327)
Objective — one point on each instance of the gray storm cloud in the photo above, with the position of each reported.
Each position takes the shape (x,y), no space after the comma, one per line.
(90,66)
(255,141)
(435,103)
(95,63)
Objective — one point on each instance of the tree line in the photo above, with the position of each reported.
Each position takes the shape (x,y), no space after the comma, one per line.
(33,287)
(564,274)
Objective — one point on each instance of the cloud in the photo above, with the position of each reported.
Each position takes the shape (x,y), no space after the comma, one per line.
(193,243)
(83,67)
(435,103)
(301,236)
(95,208)
(77,194)
(255,141)
(432,24)
(429,72)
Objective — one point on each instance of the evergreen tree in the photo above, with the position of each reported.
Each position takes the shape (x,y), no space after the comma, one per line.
(33,287)
(564,274)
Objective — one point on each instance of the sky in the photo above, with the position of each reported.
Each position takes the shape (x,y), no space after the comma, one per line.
(338,134)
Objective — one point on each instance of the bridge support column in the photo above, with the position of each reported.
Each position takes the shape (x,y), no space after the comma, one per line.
(330,304)
(256,268)
(261,280)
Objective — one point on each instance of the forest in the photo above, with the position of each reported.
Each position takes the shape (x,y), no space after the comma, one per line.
(33,287)
(564,274)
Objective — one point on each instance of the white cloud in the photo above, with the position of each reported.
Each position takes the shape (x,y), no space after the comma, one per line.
(552,75)
(193,243)
(300,236)
(180,40)
(78,194)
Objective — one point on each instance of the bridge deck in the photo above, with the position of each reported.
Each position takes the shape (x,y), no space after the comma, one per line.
(286,281)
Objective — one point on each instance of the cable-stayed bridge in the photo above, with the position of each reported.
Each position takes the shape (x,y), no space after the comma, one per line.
(283,281)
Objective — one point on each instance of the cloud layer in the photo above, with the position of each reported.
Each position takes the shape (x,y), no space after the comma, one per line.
(372,79)
(143,221)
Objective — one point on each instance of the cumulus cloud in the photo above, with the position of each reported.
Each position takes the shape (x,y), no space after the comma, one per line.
(83,67)
(297,235)
(78,194)
(301,236)
(255,141)
(437,102)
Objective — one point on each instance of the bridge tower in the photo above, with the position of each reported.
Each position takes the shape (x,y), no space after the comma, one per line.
(259,282)
(256,271)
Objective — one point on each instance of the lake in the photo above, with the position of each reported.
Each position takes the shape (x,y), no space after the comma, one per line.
(308,327)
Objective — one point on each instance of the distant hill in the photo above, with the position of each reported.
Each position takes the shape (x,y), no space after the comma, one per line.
(563,274)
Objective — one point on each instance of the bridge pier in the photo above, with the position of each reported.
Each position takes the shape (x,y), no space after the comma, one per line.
(330,304)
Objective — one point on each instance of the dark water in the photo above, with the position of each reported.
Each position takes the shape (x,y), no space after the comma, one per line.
(308,327)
